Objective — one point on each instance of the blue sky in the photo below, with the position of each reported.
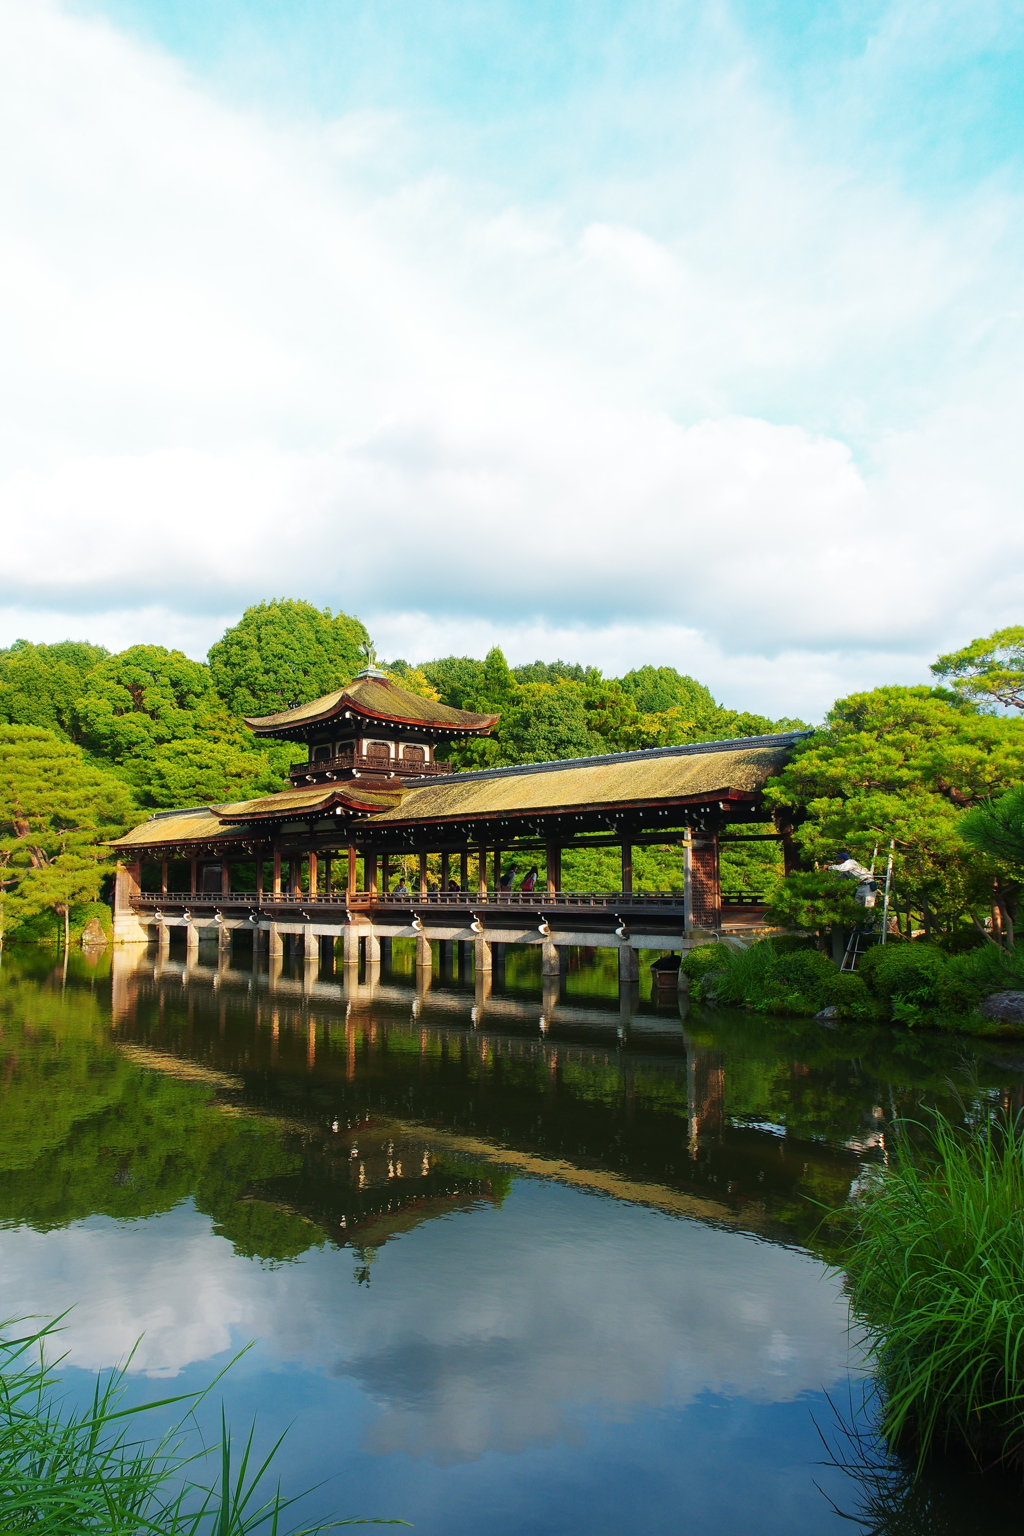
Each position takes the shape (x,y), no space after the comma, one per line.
(669,332)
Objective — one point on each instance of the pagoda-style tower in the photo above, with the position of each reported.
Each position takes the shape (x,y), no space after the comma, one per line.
(373,729)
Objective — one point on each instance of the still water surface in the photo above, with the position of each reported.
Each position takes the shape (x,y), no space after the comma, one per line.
(521,1263)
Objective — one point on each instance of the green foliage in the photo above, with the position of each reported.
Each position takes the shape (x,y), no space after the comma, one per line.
(655,690)
(68,1472)
(989,672)
(41,684)
(547,721)
(918,982)
(555,672)
(935,1274)
(996,829)
(156,716)
(902,763)
(774,976)
(283,653)
(56,810)
(699,962)
(812,900)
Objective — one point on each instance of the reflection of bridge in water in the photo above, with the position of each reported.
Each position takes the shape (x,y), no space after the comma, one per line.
(619,1099)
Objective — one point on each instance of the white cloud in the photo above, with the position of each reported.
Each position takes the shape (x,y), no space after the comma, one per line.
(233,372)
(481,1331)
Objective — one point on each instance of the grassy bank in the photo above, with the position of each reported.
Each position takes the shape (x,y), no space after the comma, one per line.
(914,984)
(935,1273)
(69,1472)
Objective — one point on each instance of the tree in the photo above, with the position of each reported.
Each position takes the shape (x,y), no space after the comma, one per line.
(547,721)
(988,672)
(996,829)
(156,717)
(40,684)
(56,809)
(657,689)
(902,764)
(283,653)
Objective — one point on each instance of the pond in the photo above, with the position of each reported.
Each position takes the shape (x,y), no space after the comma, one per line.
(533,1262)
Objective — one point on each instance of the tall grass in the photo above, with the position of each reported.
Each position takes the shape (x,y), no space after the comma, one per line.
(936,1272)
(93,1472)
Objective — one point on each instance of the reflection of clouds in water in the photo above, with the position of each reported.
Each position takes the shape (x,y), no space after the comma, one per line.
(476,1332)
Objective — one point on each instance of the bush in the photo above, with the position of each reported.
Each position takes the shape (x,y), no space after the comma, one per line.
(698,962)
(935,1273)
(917,981)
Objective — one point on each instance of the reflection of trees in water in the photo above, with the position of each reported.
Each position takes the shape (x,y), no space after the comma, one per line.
(887,1498)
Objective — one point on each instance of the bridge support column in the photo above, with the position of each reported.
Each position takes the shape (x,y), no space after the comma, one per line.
(275,943)
(163,942)
(350,944)
(482,962)
(223,939)
(372,953)
(424,957)
(629,963)
(191,944)
(550,962)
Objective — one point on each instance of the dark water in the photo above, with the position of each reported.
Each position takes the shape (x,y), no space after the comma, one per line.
(526,1263)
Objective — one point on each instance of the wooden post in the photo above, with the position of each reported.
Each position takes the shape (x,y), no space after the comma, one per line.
(423,874)
(312,875)
(464,869)
(225,878)
(294,877)
(627,867)
(163,877)
(688,879)
(370,873)
(706,898)
(194,876)
(277,872)
(353,868)
(445,872)
(482,860)
(553,861)
(259,877)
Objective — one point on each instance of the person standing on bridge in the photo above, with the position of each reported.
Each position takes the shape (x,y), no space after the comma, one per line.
(529,882)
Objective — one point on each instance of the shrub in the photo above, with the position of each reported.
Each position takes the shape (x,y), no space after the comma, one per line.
(916,981)
(698,962)
(935,1273)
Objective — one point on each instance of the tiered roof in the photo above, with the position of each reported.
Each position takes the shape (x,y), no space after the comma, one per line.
(372,696)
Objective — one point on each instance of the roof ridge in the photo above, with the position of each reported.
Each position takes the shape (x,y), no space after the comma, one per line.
(643,754)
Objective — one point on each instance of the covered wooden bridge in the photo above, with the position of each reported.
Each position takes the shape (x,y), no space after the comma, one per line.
(318,859)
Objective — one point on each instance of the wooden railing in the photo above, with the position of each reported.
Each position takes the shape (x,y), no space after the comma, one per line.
(535,901)
(403,768)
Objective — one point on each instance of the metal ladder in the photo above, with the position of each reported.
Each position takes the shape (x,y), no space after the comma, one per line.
(861,939)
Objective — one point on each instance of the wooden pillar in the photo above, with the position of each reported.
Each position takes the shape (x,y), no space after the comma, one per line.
(627,867)
(313,873)
(482,859)
(553,860)
(194,865)
(353,867)
(445,872)
(277,872)
(259,877)
(464,869)
(163,877)
(225,878)
(423,874)
(370,873)
(294,877)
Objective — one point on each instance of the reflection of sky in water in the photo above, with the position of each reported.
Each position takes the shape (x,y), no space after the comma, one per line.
(512,1355)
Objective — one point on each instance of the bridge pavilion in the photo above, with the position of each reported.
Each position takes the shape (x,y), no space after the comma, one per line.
(374,784)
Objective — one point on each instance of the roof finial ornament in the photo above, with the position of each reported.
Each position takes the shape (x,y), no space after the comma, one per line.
(368,652)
